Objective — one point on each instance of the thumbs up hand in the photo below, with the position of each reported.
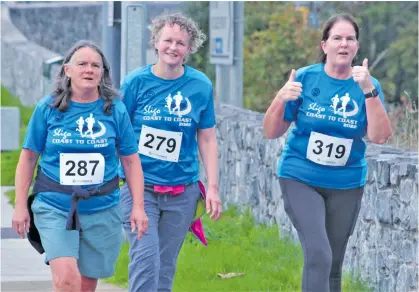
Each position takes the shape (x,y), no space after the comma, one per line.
(291,90)
(362,76)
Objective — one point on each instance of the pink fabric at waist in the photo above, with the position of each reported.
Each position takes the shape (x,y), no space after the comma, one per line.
(173,190)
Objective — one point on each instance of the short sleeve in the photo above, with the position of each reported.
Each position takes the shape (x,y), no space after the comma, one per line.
(380,92)
(126,142)
(37,131)
(291,110)
(207,118)
(128,98)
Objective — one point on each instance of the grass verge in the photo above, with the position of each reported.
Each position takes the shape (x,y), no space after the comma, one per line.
(237,245)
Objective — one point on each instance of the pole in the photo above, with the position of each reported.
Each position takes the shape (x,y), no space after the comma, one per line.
(222,81)
(133,36)
(236,70)
(111,38)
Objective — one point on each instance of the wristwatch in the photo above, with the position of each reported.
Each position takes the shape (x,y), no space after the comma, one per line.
(373,93)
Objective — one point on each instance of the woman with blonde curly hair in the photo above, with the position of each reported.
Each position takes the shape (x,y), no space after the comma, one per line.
(172,110)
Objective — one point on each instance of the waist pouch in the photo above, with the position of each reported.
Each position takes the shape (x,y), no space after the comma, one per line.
(44,184)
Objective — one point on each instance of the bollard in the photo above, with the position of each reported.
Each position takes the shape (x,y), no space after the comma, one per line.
(10,128)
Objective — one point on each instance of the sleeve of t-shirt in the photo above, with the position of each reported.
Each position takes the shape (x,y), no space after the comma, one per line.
(37,131)
(380,92)
(128,98)
(207,118)
(291,107)
(125,141)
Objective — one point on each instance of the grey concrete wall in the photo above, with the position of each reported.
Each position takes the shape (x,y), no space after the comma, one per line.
(35,32)
(21,63)
(384,246)
(58,26)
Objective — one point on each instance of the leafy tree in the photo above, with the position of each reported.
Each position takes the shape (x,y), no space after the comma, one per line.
(271,52)
(279,38)
(199,12)
(389,39)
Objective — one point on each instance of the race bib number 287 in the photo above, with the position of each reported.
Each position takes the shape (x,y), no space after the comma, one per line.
(81,168)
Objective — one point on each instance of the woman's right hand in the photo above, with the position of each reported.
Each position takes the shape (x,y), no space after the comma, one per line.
(139,220)
(21,220)
(291,90)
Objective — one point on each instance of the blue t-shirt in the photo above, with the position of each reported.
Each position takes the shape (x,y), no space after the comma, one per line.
(83,128)
(326,147)
(166,115)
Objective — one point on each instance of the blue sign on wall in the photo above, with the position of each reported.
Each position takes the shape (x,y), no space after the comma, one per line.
(221,32)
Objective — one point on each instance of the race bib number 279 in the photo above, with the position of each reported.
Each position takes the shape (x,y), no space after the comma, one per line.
(160,144)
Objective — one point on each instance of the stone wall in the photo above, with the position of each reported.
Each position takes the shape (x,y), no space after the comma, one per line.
(384,245)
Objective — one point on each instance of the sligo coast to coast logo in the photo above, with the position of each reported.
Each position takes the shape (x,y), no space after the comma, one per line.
(342,108)
(173,104)
(177,106)
(89,131)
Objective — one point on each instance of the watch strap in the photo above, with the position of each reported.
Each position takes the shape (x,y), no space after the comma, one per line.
(373,93)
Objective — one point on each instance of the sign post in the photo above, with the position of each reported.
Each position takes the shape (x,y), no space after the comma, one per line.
(111,36)
(133,37)
(226,50)
(221,32)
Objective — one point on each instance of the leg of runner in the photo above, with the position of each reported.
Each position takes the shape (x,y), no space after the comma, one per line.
(176,218)
(143,269)
(342,210)
(306,210)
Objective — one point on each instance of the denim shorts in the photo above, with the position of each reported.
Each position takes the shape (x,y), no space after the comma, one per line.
(96,246)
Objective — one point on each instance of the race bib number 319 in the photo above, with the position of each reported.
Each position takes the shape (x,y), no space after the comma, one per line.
(328,150)
(81,168)
(160,144)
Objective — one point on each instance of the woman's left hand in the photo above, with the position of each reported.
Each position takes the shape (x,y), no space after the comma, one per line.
(363,77)
(213,204)
(139,220)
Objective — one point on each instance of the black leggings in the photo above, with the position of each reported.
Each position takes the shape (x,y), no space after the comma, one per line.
(324,220)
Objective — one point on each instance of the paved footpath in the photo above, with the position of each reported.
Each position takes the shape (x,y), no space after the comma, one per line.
(22,267)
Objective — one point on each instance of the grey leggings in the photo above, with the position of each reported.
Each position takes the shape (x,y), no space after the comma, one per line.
(324,220)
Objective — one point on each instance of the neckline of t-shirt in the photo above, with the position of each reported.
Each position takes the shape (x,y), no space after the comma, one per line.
(335,80)
(85,103)
(150,71)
